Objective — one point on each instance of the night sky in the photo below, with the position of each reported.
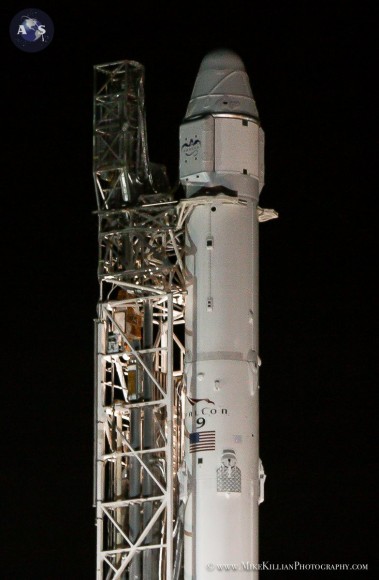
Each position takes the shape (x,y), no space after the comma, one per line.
(313,67)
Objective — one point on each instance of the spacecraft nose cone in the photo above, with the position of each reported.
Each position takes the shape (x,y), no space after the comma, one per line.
(222,86)
(221,59)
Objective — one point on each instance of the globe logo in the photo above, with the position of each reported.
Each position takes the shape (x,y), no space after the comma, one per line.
(31,30)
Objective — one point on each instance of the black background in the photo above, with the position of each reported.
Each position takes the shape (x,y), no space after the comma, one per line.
(313,68)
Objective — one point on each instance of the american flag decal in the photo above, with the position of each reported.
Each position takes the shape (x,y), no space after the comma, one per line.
(202,441)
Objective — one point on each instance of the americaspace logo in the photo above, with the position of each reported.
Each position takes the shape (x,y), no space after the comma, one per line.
(31,30)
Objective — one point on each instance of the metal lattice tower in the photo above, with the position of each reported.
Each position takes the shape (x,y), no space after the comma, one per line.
(139,341)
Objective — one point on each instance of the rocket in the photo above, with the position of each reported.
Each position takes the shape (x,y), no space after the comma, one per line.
(222,171)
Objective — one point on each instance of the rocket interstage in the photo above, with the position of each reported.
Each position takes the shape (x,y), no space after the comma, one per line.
(222,171)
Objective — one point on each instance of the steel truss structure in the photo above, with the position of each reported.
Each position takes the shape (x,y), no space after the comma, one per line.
(139,341)
(138,433)
(140,357)
(121,167)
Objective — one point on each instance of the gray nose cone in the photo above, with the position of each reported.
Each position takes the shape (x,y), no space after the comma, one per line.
(222,86)
(221,59)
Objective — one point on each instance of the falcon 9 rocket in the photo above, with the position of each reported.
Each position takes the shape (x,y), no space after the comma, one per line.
(222,171)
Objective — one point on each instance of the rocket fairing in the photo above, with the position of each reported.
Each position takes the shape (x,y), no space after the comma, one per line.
(222,171)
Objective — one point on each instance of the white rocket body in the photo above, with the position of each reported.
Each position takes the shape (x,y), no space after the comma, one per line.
(221,168)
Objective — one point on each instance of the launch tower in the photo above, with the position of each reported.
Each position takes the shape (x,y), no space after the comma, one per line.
(139,352)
